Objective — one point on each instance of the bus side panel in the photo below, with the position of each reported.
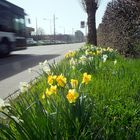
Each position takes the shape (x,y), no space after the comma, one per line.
(20,44)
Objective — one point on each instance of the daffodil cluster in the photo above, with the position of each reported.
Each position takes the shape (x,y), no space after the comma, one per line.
(70,54)
(59,82)
(50,91)
(89,53)
(90,49)
(44,66)
(3,108)
(54,82)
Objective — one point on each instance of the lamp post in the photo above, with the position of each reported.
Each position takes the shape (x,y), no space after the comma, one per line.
(36,29)
(50,24)
(54,24)
(54,27)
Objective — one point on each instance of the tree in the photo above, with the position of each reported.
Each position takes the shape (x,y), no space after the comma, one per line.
(120,27)
(90,7)
(40,31)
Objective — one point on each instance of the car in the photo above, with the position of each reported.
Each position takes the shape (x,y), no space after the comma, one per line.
(31,42)
(40,42)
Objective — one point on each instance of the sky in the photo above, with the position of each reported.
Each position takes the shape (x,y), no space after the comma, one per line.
(68,14)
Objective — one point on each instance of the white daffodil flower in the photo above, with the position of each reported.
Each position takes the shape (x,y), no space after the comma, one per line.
(73,67)
(40,65)
(72,62)
(115,62)
(1,103)
(90,58)
(23,86)
(46,69)
(87,52)
(3,108)
(17,119)
(45,62)
(104,57)
(83,58)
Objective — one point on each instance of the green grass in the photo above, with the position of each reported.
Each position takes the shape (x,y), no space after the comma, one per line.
(106,108)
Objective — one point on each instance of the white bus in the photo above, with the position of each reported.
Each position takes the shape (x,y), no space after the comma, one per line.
(12,28)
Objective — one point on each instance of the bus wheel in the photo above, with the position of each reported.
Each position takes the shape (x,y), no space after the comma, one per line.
(4,49)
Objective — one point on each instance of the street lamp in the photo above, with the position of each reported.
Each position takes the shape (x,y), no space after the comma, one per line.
(50,24)
(36,25)
(54,27)
(54,18)
(36,29)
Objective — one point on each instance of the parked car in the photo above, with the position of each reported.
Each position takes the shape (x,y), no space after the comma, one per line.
(40,42)
(31,42)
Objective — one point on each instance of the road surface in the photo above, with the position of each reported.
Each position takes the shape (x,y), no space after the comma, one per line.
(14,68)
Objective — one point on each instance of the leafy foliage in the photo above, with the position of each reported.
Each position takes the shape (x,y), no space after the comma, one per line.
(120,27)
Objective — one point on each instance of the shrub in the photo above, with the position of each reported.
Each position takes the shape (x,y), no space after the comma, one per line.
(120,27)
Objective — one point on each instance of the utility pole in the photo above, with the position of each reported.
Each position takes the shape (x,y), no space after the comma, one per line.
(64,30)
(86,29)
(54,18)
(72,31)
(36,30)
(54,28)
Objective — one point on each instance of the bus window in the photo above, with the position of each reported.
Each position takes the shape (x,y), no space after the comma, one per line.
(5,20)
(19,26)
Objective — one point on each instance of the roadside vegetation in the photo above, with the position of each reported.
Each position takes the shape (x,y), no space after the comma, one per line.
(120,27)
(93,93)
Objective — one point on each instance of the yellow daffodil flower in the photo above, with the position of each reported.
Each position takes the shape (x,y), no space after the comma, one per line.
(61,80)
(48,92)
(43,96)
(74,83)
(86,78)
(90,53)
(86,52)
(53,89)
(72,95)
(98,52)
(50,79)
(73,54)
(66,55)
(54,77)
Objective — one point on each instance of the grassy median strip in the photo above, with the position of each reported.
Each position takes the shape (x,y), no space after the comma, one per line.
(94,93)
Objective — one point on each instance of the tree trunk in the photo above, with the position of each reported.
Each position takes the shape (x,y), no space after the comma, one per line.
(91,12)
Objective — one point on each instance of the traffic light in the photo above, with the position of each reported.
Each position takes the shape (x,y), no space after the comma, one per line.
(82,24)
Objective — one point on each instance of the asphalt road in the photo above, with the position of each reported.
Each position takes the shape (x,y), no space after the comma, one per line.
(14,68)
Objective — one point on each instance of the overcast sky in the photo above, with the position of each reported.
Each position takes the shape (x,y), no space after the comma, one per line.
(68,14)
